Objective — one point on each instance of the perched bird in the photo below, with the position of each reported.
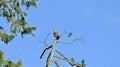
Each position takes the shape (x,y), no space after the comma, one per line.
(56,35)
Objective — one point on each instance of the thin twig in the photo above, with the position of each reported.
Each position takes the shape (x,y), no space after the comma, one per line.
(44,42)
(46,39)
(56,63)
(48,57)
(64,58)
(60,54)
(71,41)
(45,50)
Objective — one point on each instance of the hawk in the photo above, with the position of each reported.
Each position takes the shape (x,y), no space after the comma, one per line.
(56,35)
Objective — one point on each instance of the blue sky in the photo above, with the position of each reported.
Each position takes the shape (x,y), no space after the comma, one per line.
(97,21)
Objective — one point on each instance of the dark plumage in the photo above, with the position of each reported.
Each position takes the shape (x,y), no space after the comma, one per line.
(56,35)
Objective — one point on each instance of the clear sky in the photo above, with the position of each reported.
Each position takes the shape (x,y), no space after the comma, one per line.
(97,21)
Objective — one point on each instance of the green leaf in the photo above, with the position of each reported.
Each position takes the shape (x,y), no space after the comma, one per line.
(13,12)
(19,64)
(18,10)
(8,19)
(28,3)
(6,38)
(11,64)
(18,4)
(4,4)
(0,4)
(28,30)
(33,28)
(69,35)
(25,14)
(23,2)
(11,37)
(1,58)
(33,3)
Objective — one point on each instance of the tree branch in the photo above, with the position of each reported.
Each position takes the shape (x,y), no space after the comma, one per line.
(77,39)
(44,42)
(46,39)
(61,54)
(56,63)
(64,58)
(44,51)
(52,54)
(48,57)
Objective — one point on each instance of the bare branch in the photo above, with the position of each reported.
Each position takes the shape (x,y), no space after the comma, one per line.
(44,42)
(77,39)
(71,62)
(60,54)
(48,57)
(46,39)
(64,58)
(52,54)
(44,51)
(56,63)
(61,58)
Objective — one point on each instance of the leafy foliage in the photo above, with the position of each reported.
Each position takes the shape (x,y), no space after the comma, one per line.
(8,63)
(1,58)
(12,11)
(6,38)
